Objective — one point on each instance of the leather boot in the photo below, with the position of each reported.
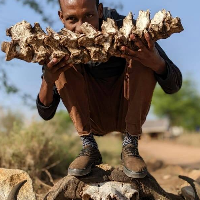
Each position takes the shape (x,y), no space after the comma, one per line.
(82,165)
(134,165)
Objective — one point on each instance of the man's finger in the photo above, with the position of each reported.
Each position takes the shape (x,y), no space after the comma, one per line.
(56,61)
(128,52)
(63,69)
(130,57)
(137,41)
(150,42)
(60,64)
(53,62)
(126,57)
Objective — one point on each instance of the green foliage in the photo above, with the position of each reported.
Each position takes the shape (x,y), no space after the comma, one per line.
(182,108)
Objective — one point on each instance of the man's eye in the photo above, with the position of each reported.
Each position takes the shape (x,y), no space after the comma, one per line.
(90,15)
(71,19)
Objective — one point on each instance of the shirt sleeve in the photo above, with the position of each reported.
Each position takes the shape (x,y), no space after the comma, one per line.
(171,82)
(48,112)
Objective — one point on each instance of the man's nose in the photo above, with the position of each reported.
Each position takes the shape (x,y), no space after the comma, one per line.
(78,27)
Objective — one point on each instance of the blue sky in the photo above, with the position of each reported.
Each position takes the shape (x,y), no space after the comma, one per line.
(182,49)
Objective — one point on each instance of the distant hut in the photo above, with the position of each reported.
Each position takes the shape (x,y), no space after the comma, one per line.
(156,128)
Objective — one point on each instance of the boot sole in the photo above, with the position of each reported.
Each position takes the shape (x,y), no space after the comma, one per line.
(133,174)
(79,172)
(82,172)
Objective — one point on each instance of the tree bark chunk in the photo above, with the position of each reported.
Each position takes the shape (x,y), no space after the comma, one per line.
(32,44)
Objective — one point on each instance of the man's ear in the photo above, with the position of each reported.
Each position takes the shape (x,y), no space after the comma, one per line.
(100,10)
(60,14)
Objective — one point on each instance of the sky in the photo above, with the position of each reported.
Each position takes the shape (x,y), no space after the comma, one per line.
(182,49)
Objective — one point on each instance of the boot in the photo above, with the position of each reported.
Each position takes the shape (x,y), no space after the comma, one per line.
(82,165)
(134,165)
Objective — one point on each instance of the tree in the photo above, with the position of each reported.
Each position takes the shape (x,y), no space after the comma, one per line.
(182,108)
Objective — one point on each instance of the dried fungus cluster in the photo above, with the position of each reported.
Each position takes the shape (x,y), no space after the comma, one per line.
(32,44)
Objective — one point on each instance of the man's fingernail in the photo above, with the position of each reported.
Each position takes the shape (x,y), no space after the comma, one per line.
(54,60)
(123,48)
(146,33)
(132,36)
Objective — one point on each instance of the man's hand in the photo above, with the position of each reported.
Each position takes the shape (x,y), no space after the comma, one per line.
(147,55)
(54,68)
(51,74)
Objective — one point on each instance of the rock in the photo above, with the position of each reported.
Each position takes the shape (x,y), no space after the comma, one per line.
(11,177)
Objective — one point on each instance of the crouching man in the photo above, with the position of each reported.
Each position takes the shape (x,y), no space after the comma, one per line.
(106,97)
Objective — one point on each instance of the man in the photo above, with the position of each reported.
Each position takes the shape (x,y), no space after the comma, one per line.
(106,97)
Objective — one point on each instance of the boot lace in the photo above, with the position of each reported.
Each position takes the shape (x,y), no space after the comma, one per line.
(87,152)
(131,151)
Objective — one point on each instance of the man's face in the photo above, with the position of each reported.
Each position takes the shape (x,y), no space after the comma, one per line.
(75,12)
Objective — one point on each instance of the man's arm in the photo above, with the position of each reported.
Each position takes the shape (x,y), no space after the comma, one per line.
(48,112)
(153,57)
(170,82)
(48,97)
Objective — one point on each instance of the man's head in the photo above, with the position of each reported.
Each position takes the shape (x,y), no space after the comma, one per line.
(73,13)
(97,3)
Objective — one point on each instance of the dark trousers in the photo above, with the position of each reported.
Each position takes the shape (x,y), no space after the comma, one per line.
(104,105)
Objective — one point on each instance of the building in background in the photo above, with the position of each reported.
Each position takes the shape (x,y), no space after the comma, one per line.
(161,129)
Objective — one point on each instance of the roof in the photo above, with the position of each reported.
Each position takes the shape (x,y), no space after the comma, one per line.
(156,126)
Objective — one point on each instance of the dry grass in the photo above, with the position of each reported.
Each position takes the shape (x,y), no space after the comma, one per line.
(37,147)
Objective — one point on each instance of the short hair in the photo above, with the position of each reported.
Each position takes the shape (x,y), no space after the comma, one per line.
(97,3)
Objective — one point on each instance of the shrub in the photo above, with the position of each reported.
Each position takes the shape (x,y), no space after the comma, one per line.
(36,147)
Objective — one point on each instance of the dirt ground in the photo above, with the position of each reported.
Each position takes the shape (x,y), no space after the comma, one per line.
(168,159)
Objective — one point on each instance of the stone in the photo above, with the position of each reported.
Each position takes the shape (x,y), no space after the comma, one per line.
(10,178)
